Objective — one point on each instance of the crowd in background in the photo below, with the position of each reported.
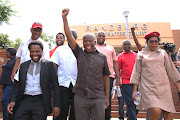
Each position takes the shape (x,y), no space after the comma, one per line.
(38,82)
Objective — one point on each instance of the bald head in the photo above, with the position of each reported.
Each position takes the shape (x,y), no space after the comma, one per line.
(126,46)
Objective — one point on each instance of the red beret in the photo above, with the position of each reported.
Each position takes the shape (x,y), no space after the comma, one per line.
(152,34)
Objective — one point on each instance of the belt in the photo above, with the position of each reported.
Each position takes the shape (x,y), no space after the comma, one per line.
(26,95)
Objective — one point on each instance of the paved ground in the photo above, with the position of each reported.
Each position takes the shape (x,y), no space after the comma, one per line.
(50,118)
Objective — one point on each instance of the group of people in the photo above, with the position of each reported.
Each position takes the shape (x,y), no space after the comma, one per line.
(78,79)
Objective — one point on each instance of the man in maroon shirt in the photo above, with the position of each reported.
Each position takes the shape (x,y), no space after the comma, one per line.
(126,61)
(92,86)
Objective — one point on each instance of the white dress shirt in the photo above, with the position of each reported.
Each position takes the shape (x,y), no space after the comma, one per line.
(24,54)
(67,65)
(33,79)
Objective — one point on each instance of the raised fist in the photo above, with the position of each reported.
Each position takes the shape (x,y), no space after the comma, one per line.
(132,29)
(65,12)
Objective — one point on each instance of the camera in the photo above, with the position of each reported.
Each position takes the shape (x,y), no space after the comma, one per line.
(168,47)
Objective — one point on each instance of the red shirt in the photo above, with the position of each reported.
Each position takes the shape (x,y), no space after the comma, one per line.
(52,51)
(126,63)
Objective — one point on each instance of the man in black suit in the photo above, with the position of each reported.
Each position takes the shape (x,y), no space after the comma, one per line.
(31,98)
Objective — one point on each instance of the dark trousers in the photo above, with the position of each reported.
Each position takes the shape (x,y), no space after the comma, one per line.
(121,107)
(108,110)
(127,90)
(5,99)
(89,108)
(67,99)
(31,108)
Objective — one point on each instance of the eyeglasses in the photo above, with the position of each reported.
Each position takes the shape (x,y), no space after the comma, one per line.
(153,41)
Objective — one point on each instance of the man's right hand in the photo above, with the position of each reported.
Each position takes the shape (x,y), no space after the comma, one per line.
(12,76)
(132,29)
(10,107)
(65,12)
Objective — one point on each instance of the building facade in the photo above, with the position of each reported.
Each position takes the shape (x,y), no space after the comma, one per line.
(117,32)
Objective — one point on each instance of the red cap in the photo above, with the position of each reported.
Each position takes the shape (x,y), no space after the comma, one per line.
(152,34)
(37,24)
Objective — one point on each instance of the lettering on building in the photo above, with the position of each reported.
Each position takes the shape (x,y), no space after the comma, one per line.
(118,30)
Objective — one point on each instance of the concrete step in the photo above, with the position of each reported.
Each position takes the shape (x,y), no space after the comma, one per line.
(141,114)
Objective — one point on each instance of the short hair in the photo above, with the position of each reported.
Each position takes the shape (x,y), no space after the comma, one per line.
(35,42)
(11,50)
(60,34)
(101,32)
(126,41)
(89,34)
(74,33)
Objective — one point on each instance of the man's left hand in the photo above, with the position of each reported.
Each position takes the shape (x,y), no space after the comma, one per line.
(118,83)
(107,103)
(56,112)
(177,63)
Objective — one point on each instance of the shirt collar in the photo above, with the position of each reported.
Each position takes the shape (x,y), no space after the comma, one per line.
(101,45)
(30,40)
(124,52)
(147,49)
(38,61)
(95,50)
(12,58)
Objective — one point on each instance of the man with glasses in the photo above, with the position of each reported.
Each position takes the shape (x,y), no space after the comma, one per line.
(23,53)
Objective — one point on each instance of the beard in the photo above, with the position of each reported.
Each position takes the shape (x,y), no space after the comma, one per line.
(59,43)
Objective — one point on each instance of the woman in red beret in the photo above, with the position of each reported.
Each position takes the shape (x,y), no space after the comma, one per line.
(152,71)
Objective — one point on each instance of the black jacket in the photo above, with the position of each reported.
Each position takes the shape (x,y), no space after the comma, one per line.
(7,70)
(48,80)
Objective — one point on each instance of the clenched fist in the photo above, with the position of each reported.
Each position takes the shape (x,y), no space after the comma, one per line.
(65,12)
(132,29)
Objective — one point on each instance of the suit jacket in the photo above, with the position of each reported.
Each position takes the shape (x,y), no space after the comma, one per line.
(48,81)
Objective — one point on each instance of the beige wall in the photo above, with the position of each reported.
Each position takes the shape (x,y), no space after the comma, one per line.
(176,38)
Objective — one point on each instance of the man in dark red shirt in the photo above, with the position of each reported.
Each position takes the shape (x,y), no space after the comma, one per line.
(126,61)
(92,86)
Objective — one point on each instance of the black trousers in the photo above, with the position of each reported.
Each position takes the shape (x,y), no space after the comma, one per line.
(67,99)
(108,110)
(31,108)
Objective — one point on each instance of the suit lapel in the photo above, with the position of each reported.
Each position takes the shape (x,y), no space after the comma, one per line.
(43,66)
(24,72)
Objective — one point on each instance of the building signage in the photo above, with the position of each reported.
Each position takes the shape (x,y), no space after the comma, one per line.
(117,30)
